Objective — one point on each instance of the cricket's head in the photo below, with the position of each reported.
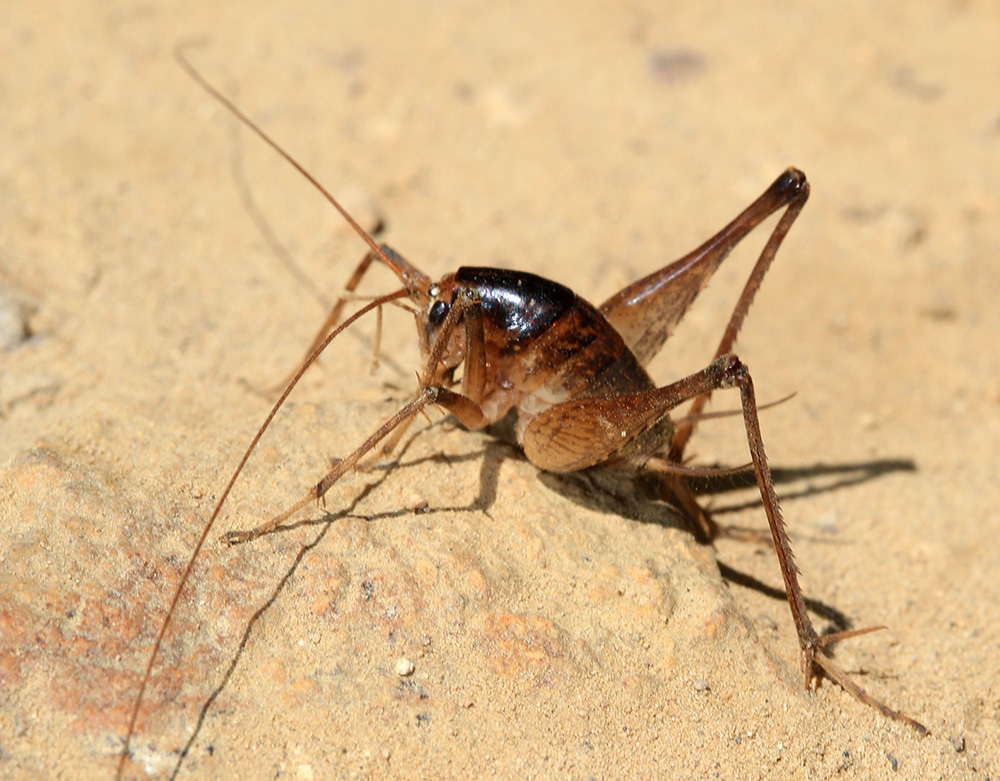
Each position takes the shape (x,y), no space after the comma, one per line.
(433,306)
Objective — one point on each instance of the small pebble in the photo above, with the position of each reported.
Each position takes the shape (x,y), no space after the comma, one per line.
(404,667)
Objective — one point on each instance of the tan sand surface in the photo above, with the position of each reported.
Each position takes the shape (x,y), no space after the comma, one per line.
(553,631)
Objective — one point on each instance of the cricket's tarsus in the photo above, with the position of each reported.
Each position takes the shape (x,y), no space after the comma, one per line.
(575,375)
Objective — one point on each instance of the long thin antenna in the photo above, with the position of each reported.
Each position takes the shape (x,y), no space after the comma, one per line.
(398,270)
(218,508)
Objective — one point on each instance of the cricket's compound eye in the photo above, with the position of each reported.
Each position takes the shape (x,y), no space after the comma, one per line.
(438,312)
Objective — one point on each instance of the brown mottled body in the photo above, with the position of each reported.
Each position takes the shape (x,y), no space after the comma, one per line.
(575,375)
(543,346)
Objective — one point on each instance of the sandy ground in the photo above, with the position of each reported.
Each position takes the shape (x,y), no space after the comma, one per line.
(553,633)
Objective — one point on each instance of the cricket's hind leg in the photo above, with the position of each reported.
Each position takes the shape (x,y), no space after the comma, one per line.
(646,312)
